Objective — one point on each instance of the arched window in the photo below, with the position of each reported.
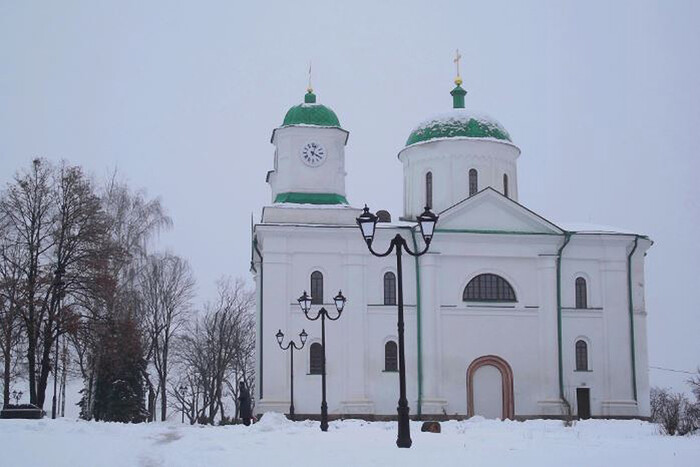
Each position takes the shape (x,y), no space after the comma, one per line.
(315,359)
(473,182)
(429,189)
(389,288)
(581,355)
(316,288)
(391,356)
(581,293)
(488,288)
(505,185)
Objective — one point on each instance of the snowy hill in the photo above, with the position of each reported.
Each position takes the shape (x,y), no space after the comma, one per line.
(274,441)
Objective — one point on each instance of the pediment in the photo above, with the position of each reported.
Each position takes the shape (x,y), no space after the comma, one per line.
(490,211)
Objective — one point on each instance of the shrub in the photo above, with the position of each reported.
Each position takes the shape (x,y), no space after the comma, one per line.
(674,412)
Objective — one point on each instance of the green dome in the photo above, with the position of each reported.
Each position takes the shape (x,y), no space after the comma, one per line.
(459,123)
(311,113)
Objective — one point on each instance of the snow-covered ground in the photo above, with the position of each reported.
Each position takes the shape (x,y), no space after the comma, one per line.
(274,441)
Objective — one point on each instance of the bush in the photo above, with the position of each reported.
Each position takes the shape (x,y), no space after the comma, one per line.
(674,412)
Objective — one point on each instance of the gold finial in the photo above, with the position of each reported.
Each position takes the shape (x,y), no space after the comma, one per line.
(458,79)
(309,88)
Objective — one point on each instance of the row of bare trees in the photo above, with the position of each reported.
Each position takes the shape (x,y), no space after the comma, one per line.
(77,264)
(215,352)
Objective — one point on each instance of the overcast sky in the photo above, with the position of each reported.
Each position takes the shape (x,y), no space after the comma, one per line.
(603,98)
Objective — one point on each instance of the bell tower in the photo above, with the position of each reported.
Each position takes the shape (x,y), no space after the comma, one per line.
(309,164)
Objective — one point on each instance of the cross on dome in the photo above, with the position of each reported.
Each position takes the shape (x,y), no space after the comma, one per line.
(309,88)
(458,79)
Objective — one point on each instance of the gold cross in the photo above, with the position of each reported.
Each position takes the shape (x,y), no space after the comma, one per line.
(458,79)
(309,88)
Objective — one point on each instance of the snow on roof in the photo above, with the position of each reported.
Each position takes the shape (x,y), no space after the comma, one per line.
(583,227)
(459,115)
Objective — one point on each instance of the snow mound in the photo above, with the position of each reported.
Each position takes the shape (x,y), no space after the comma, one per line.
(273,421)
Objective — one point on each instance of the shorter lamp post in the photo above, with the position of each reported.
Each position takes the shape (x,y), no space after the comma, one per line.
(291,346)
(183,394)
(368,223)
(16,396)
(305,304)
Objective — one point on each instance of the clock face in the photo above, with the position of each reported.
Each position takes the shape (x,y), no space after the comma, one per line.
(313,154)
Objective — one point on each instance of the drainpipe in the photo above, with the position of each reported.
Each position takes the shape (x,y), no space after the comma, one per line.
(631,312)
(260,320)
(418,330)
(567,238)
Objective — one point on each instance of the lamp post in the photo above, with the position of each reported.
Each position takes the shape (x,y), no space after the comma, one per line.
(183,394)
(305,304)
(368,223)
(291,346)
(16,396)
(59,284)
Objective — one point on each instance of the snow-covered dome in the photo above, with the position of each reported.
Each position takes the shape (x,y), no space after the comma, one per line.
(311,113)
(458,123)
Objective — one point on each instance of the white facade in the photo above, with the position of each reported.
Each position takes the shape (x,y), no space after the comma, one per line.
(493,358)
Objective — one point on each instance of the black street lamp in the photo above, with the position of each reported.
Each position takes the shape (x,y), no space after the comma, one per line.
(305,304)
(17,396)
(183,394)
(291,346)
(368,223)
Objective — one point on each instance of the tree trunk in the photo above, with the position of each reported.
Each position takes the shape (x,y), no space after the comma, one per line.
(163,388)
(151,403)
(6,378)
(46,367)
(31,357)
(63,378)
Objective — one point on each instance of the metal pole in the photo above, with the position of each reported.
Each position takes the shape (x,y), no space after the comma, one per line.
(404,437)
(324,405)
(291,395)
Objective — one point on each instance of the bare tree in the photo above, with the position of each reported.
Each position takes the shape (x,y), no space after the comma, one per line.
(694,383)
(79,227)
(167,287)
(27,209)
(216,348)
(133,220)
(10,331)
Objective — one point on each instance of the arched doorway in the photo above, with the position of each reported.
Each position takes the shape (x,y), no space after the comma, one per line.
(483,397)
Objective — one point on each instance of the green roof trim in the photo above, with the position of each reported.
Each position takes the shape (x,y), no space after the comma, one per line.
(311,198)
(311,113)
(458,124)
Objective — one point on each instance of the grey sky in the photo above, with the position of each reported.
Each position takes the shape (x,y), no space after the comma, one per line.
(603,98)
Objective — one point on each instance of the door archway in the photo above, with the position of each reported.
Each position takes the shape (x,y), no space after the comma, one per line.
(508,404)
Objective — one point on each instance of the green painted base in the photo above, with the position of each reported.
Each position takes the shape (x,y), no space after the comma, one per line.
(311,198)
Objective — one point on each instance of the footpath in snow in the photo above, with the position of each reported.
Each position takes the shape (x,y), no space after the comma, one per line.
(275,442)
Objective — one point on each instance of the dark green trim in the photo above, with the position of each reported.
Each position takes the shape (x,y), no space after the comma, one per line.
(311,198)
(418,329)
(495,232)
(631,311)
(567,238)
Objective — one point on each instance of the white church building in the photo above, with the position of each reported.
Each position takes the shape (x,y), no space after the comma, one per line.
(509,315)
